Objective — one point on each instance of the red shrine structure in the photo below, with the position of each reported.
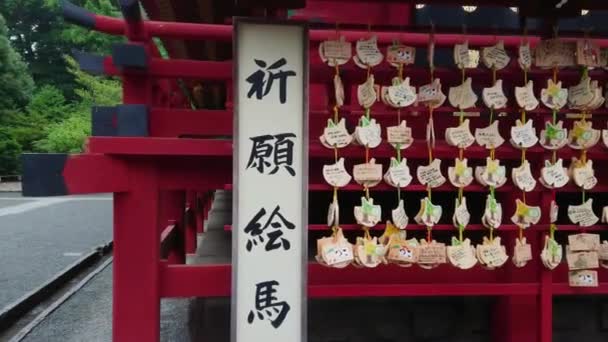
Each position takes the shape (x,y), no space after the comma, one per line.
(166,149)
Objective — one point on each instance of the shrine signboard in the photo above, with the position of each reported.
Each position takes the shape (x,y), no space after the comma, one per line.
(270,175)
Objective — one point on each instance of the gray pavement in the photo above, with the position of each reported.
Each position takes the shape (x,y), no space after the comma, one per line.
(41,236)
(87,316)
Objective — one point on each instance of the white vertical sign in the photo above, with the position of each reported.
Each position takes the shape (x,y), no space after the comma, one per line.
(270,182)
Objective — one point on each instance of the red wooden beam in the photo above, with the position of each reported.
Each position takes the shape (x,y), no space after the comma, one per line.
(417,227)
(159,146)
(321,73)
(566,289)
(219,32)
(213,147)
(214,281)
(95,173)
(411,188)
(166,122)
(176,68)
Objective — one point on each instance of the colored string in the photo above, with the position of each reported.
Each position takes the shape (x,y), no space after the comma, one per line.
(336,115)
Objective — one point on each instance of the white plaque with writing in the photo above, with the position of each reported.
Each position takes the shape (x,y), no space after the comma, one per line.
(270,182)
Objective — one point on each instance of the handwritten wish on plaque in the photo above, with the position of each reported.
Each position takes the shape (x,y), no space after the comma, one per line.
(431,174)
(555,53)
(582,260)
(583,278)
(489,136)
(335,52)
(584,242)
(583,214)
(368,174)
(400,136)
(335,174)
(432,253)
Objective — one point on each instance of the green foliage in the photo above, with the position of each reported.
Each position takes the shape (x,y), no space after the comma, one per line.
(28,125)
(39,33)
(16,85)
(94,90)
(55,115)
(67,136)
(9,153)
(89,40)
(49,103)
(35,31)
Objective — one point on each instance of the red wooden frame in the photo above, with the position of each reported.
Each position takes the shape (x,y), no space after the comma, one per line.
(163,187)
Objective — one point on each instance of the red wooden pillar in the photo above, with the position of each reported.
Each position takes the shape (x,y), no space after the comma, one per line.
(515,317)
(172,207)
(190,222)
(200,212)
(546,281)
(136,295)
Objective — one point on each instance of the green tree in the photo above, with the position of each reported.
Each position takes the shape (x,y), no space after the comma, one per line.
(69,135)
(93,90)
(49,103)
(47,106)
(88,40)
(9,153)
(16,85)
(42,37)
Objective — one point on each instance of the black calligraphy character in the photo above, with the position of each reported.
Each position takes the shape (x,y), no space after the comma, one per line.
(283,153)
(260,151)
(267,305)
(274,236)
(262,80)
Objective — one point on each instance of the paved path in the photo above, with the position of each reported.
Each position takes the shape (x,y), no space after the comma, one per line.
(41,236)
(87,316)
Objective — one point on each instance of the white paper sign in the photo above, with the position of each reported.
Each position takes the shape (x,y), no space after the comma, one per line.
(270,161)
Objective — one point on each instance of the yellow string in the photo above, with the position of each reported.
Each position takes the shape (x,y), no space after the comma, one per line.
(336,115)
(492,149)
(521,233)
(366,233)
(431,129)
